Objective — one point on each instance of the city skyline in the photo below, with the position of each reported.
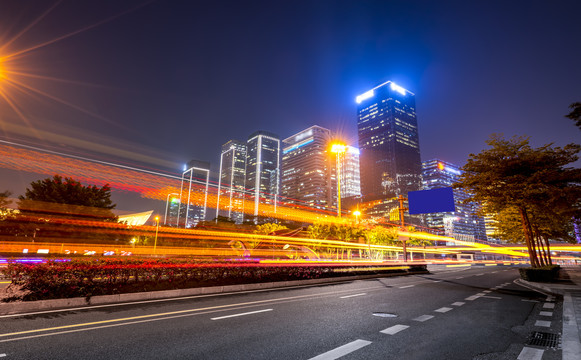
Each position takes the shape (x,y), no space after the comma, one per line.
(154,84)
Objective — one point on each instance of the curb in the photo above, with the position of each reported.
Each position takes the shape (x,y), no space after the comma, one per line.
(571,342)
(23,307)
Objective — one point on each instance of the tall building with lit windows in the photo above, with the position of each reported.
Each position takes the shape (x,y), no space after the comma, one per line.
(193,197)
(263,172)
(230,202)
(307,169)
(463,223)
(389,144)
(350,177)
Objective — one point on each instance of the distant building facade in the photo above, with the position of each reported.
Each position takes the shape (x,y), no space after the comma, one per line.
(307,169)
(463,223)
(350,177)
(263,170)
(193,194)
(389,147)
(231,191)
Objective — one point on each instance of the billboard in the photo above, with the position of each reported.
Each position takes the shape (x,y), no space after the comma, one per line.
(431,201)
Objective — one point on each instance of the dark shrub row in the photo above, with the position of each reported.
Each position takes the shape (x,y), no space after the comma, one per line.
(542,274)
(85,278)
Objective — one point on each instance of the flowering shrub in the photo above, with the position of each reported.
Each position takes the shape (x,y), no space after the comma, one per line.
(90,277)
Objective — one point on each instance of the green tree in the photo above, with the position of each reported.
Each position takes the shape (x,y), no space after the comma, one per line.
(78,199)
(575,113)
(55,207)
(5,200)
(533,182)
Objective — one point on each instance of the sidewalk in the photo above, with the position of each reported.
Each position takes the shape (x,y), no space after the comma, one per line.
(569,288)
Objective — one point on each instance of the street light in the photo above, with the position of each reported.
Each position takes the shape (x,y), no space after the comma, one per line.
(156,230)
(357,213)
(339,149)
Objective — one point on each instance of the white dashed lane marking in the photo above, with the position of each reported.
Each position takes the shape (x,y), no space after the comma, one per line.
(407,286)
(240,314)
(443,310)
(423,318)
(342,350)
(394,329)
(548,306)
(471,298)
(458,303)
(546,313)
(543,323)
(348,296)
(529,353)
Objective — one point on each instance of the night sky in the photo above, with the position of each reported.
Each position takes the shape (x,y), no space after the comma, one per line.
(170,81)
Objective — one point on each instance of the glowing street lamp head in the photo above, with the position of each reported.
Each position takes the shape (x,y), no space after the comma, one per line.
(357,213)
(338,148)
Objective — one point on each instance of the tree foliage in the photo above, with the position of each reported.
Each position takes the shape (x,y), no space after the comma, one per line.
(75,196)
(575,113)
(56,208)
(511,177)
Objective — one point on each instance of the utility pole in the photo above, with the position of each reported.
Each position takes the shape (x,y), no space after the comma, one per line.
(402,210)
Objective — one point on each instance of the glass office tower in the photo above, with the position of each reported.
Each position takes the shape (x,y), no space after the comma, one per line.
(463,223)
(350,177)
(232,180)
(307,169)
(263,171)
(193,194)
(389,146)
(388,142)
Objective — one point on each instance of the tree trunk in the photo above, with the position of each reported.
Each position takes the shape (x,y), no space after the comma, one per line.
(549,251)
(528,237)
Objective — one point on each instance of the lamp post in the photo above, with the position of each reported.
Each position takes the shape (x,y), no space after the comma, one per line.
(339,149)
(357,213)
(156,230)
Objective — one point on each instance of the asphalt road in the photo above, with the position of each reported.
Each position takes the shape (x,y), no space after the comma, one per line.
(451,314)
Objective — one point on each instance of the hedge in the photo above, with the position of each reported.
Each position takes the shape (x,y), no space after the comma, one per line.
(86,278)
(542,274)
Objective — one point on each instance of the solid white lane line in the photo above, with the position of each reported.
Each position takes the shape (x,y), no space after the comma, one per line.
(543,323)
(479,274)
(240,314)
(407,286)
(458,303)
(443,310)
(348,296)
(529,353)
(548,306)
(423,318)
(342,350)
(486,291)
(394,329)
(546,313)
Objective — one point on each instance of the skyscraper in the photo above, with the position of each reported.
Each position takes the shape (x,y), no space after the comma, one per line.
(463,223)
(307,168)
(193,193)
(262,170)
(232,180)
(388,141)
(350,178)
